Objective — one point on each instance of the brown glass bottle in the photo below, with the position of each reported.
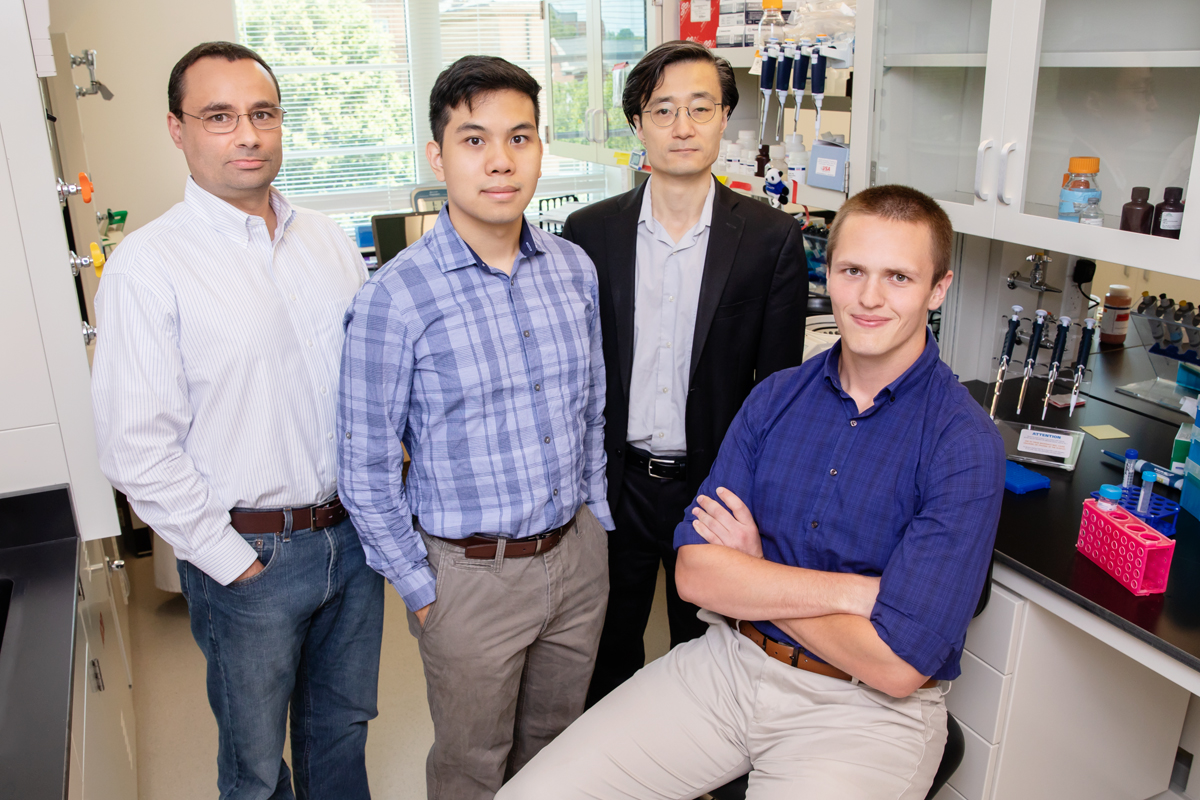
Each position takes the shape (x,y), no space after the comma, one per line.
(1138,215)
(1168,215)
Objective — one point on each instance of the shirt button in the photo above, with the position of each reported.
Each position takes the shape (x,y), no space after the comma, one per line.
(324,390)
(671,298)
(537,387)
(665,390)
(556,492)
(668,345)
(814,523)
(293,295)
(512,281)
(526,334)
(310,343)
(661,434)
(347,434)
(546,440)
(329,436)
(853,423)
(833,472)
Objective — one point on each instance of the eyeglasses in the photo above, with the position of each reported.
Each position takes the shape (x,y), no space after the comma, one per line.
(265,119)
(700,111)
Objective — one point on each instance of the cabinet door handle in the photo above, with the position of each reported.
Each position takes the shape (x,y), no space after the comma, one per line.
(984,146)
(591,124)
(1003,177)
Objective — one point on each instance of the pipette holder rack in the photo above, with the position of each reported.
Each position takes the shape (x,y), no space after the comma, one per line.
(1138,556)
(1163,512)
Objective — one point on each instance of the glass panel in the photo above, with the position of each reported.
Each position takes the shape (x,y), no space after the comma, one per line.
(929,108)
(1119,89)
(623,42)
(569,69)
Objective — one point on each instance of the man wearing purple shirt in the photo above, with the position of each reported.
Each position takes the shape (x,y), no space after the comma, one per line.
(839,546)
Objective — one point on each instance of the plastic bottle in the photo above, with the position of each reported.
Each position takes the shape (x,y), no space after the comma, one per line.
(778,159)
(797,158)
(733,159)
(1110,497)
(1091,213)
(1078,185)
(1131,457)
(771,25)
(760,161)
(1138,215)
(1114,322)
(1148,479)
(1168,215)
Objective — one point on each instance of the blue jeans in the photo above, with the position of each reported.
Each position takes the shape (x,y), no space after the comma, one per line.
(305,631)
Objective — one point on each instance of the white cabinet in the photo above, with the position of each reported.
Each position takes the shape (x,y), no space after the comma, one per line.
(982,103)
(590,47)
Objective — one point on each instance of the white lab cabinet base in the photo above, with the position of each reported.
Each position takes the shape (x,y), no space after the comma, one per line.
(1084,720)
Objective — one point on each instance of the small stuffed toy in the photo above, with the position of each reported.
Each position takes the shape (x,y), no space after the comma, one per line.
(775,187)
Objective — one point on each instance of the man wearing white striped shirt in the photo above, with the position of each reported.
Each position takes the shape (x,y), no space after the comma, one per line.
(214,385)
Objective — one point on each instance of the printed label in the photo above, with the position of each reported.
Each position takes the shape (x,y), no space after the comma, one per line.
(701,10)
(1171,220)
(1072,201)
(827,166)
(1044,444)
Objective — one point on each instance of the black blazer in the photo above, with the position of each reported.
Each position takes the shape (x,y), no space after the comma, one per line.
(750,321)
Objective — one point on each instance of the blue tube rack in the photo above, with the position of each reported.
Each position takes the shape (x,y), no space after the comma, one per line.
(1163,512)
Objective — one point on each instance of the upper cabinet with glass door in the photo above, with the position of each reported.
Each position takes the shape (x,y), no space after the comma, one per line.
(591,46)
(1113,81)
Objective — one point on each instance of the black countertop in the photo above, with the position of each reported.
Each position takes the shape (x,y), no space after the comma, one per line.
(38,552)
(1038,530)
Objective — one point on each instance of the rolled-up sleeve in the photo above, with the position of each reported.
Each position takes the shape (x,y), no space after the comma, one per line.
(932,582)
(373,404)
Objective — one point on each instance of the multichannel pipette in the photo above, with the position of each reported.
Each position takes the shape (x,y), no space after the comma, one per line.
(1056,356)
(1010,339)
(770,60)
(1085,349)
(783,74)
(1035,341)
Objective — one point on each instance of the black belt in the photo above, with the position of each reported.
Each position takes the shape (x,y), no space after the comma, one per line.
(669,469)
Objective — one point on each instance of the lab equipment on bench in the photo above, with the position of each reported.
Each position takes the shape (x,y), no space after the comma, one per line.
(1010,338)
(1110,498)
(1056,356)
(1148,479)
(1138,215)
(1085,349)
(1078,185)
(770,59)
(1022,480)
(1041,445)
(1035,341)
(1132,552)
(1131,469)
(1168,215)
(1135,466)
(783,75)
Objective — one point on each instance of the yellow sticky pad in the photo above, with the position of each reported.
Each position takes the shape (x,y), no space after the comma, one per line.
(1104,432)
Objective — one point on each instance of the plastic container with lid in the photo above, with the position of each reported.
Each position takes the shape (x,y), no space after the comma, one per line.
(1078,185)
(797,158)
(1110,498)
(1114,322)
(1138,215)
(1168,215)
(1091,213)
(778,159)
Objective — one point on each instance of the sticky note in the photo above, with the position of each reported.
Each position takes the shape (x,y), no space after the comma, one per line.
(1104,432)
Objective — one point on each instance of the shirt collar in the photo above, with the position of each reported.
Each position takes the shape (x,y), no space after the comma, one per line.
(230,221)
(458,254)
(652,225)
(924,363)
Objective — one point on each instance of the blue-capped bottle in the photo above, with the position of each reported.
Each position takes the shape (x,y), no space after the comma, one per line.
(1079,184)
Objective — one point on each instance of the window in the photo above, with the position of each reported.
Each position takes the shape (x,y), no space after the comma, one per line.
(355,77)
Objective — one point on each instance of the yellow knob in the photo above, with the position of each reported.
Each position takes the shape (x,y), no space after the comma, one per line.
(97,258)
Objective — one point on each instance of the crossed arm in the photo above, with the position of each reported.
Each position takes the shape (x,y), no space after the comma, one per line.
(826,612)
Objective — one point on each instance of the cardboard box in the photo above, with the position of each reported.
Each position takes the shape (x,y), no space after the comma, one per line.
(827,166)
(699,20)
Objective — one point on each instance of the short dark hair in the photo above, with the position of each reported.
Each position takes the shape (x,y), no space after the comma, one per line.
(472,76)
(226,50)
(900,204)
(647,74)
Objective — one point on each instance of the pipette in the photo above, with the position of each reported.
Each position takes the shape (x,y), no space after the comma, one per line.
(1056,356)
(1010,338)
(1085,349)
(1035,341)
(800,75)
(818,79)
(783,74)
(770,59)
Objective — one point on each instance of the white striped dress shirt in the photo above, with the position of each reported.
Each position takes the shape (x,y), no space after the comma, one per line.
(216,369)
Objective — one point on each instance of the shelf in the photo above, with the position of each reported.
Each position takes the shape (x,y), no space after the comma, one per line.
(800,194)
(738,57)
(936,60)
(1145,58)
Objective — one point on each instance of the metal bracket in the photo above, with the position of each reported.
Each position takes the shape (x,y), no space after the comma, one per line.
(88,59)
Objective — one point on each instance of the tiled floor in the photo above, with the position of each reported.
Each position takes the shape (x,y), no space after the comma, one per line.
(176,733)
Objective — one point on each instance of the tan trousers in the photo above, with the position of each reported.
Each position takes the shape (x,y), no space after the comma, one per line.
(716,707)
(508,649)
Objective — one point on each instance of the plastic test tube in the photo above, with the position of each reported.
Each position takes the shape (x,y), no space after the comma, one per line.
(1148,478)
(1109,495)
(1130,468)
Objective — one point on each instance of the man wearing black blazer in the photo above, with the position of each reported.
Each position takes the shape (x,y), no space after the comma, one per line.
(702,295)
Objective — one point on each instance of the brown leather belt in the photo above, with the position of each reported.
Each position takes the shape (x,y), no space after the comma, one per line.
(795,657)
(311,517)
(484,547)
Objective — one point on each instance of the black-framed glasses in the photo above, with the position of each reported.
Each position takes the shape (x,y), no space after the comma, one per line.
(700,111)
(265,119)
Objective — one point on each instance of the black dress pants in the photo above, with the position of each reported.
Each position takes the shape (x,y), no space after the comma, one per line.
(646,517)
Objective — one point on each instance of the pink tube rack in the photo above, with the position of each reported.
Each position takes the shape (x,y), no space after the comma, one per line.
(1125,547)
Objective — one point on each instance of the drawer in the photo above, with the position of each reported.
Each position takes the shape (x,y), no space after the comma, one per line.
(979,698)
(947,793)
(992,636)
(974,777)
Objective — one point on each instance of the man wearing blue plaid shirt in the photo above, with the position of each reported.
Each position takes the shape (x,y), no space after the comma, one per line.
(842,539)
(478,349)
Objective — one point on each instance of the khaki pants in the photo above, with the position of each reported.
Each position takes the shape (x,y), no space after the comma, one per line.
(716,707)
(508,649)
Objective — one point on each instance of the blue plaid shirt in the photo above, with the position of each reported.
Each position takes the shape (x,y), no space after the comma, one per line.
(909,489)
(494,383)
